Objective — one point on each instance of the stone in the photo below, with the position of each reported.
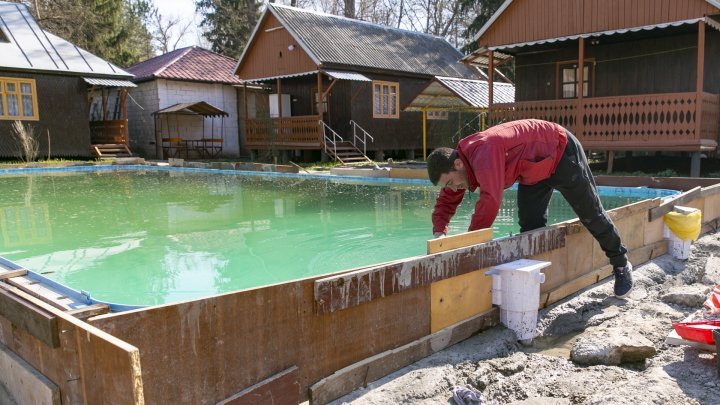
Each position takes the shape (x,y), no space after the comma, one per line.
(691,296)
(612,346)
(712,271)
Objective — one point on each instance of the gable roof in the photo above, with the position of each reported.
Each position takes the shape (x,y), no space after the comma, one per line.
(28,47)
(583,19)
(338,42)
(192,63)
(449,93)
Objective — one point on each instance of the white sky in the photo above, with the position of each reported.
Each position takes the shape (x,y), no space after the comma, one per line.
(185,10)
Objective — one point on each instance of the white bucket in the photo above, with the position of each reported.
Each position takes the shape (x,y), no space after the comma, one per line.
(516,289)
(678,248)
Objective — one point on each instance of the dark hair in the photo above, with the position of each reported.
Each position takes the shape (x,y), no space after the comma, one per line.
(439,162)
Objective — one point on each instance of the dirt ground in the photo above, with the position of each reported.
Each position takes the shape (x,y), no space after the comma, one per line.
(591,348)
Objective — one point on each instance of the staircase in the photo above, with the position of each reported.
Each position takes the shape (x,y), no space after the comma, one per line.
(111,150)
(341,150)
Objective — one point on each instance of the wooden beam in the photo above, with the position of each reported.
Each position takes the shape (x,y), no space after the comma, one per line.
(12,273)
(354,288)
(332,84)
(363,372)
(41,324)
(281,388)
(90,311)
(357,91)
(459,240)
(668,205)
(710,190)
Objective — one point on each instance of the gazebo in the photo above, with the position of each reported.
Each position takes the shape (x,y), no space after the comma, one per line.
(180,135)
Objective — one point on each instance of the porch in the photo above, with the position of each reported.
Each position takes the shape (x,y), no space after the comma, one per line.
(298,132)
(649,122)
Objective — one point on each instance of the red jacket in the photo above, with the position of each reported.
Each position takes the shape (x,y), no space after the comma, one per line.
(526,151)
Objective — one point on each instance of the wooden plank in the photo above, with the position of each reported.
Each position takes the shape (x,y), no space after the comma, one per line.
(636,257)
(38,322)
(89,311)
(460,240)
(459,298)
(354,288)
(22,384)
(668,205)
(363,372)
(281,388)
(634,208)
(12,273)
(89,365)
(710,190)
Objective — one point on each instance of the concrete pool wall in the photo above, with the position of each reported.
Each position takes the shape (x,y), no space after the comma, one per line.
(316,338)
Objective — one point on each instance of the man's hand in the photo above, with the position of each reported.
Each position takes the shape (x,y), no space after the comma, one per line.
(439,235)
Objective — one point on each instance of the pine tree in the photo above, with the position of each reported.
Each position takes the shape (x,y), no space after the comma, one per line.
(228,24)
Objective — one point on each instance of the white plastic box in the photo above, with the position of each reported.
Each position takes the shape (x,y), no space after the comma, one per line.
(516,290)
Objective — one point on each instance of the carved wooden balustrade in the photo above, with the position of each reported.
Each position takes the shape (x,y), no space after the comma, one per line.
(301,132)
(675,121)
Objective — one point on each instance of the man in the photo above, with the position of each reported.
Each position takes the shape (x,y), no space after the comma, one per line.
(540,156)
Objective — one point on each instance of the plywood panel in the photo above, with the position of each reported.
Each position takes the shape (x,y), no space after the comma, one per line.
(711,207)
(653,231)
(23,383)
(224,344)
(557,273)
(632,230)
(459,298)
(579,254)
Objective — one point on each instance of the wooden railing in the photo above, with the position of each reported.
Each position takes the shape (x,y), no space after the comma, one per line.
(108,132)
(646,122)
(294,132)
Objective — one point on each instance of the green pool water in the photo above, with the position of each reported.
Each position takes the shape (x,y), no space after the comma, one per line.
(152,237)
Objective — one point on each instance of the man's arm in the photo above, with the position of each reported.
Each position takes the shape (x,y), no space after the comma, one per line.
(445,207)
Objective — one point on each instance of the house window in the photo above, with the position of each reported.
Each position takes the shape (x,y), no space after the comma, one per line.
(569,75)
(437,115)
(386,100)
(18,99)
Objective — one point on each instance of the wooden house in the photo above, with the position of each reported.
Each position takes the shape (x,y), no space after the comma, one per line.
(187,76)
(51,86)
(649,76)
(364,73)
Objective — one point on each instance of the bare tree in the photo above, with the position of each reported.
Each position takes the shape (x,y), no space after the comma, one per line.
(168,31)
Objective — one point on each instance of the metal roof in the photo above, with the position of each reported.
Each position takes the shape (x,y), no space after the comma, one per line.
(710,22)
(338,41)
(108,82)
(196,108)
(29,47)
(449,93)
(357,77)
(192,63)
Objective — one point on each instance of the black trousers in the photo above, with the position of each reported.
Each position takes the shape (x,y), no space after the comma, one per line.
(574,180)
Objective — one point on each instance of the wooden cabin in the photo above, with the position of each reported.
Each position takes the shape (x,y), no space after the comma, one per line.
(72,100)
(191,75)
(365,73)
(649,76)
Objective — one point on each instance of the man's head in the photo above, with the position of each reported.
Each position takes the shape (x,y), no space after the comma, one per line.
(445,169)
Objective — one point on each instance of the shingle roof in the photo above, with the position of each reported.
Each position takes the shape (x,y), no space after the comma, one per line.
(340,41)
(26,46)
(192,64)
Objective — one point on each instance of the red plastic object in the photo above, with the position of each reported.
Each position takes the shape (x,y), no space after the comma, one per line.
(700,331)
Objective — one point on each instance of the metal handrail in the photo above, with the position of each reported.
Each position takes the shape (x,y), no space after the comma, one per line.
(327,139)
(365,136)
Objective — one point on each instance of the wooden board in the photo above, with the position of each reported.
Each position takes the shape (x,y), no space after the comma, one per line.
(22,383)
(459,298)
(361,373)
(667,206)
(39,323)
(460,240)
(89,365)
(354,288)
(282,388)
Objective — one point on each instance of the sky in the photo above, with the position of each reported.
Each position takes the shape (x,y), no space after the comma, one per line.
(185,10)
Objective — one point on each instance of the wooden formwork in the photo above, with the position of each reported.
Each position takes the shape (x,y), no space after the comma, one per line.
(320,337)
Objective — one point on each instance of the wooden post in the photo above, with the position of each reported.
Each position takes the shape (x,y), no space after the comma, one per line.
(424,132)
(580,112)
(491,69)
(695,161)
(319,96)
(123,100)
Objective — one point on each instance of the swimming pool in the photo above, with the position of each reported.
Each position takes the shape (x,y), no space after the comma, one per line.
(149,235)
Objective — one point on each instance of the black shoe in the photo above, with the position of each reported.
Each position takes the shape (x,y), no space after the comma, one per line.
(623,280)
